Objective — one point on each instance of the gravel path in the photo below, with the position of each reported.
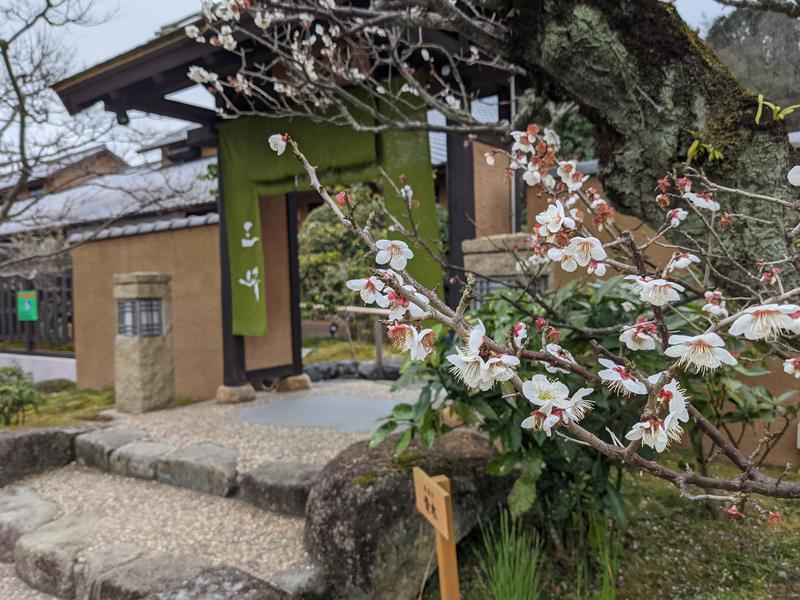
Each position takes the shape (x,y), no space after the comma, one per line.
(164,518)
(13,588)
(255,442)
(169,519)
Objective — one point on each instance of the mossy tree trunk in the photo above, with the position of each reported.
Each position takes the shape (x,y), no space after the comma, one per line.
(644,79)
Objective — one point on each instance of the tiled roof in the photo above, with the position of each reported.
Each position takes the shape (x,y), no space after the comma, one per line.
(146,227)
(136,191)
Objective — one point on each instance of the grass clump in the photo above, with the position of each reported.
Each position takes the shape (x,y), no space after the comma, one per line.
(511,560)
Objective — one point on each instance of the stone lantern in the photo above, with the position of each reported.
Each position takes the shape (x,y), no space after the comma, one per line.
(143,355)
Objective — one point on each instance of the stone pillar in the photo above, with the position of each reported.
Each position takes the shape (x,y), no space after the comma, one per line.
(143,355)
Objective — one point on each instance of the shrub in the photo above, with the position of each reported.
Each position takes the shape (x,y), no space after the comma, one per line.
(18,394)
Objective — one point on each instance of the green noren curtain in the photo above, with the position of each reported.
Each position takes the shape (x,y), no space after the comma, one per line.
(249,169)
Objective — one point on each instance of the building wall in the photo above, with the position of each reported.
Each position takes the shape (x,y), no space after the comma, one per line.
(191,256)
(492,194)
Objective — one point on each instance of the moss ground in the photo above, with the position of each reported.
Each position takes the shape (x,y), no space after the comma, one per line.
(331,349)
(675,549)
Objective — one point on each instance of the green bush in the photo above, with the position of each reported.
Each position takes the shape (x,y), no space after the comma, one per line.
(511,560)
(18,394)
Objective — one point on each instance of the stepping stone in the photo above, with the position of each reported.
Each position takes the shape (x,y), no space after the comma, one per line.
(94,449)
(222,583)
(45,558)
(22,510)
(281,487)
(97,562)
(148,574)
(138,459)
(204,467)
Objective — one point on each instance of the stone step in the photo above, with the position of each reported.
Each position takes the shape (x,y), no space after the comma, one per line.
(45,558)
(278,486)
(281,487)
(54,555)
(21,511)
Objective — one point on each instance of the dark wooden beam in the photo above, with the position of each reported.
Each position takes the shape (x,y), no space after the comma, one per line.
(174,109)
(292,225)
(460,208)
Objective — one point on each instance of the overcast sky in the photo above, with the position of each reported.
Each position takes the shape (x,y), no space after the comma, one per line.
(134,22)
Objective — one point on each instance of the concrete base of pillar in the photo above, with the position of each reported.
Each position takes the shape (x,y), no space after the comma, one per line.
(294,383)
(227,394)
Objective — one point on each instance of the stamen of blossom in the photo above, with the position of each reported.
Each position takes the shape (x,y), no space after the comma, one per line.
(766,321)
(394,252)
(703,352)
(640,336)
(406,338)
(621,380)
(469,366)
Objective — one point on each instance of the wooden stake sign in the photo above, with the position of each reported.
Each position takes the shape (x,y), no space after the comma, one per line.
(434,503)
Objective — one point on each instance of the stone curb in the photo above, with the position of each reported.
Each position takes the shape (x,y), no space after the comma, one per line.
(353,369)
(29,451)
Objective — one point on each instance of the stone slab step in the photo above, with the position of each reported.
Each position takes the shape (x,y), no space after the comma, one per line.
(45,557)
(281,487)
(28,451)
(204,467)
(139,459)
(22,511)
(94,449)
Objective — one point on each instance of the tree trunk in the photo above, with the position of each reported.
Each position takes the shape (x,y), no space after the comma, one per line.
(644,79)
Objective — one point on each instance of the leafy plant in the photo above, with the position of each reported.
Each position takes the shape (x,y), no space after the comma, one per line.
(511,560)
(18,394)
(329,253)
(778,113)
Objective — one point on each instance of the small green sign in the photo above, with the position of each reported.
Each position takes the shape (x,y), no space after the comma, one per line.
(27,305)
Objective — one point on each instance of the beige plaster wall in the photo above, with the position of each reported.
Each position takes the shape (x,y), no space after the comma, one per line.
(191,257)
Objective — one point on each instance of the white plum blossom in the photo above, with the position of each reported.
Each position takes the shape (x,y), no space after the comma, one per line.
(192,31)
(715,304)
(369,289)
(399,303)
(596,268)
(640,336)
(620,378)
(659,292)
(559,352)
(522,142)
(682,260)
(656,433)
(519,333)
(791,366)
(532,176)
(701,201)
(676,216)
(794,176)
(703,352)
(277,143)
(490,160)
(554,218)
(201,76)
(673,396)
(570,176)
(406,338)
(395,252)
(476,373)
(551,138)
(553,405)
(766,321)
(637,283)
(580,251)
